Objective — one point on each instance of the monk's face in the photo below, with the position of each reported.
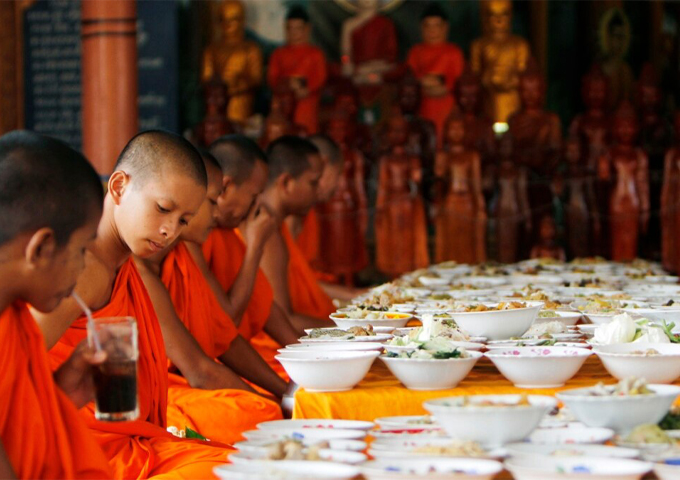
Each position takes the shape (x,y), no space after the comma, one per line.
(301,193)
(151,214)
(57,268)
(297,32)
(329,180)
(434,30)
(237,200)
(205,219)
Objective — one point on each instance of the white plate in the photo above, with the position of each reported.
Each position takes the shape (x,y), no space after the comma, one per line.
(563,436)
(263,446)
(381,337)
(333,346)
(289,470)
(317,423)
(325,454)
(518,449)
(375,329)
(403,422)
(431,468)
(313,434)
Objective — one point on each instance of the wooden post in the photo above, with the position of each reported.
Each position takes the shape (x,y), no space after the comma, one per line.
(109,77)
(9,77)
(539,33)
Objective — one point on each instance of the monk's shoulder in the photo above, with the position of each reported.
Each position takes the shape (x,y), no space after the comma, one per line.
(95,282)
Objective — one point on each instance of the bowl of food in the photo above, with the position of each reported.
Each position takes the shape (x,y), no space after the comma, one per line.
(565,317)
(491,420)
(655,362)
(428,447)
(538,367)
(559,468)
(317,423)
(431,468)
(309,436)
(269,445)
(333,346)
(570,436)
(620,407)
(295,451)
(364,318)
(328,371)
(496,321)
(351,334)
(291,470)
(431,369)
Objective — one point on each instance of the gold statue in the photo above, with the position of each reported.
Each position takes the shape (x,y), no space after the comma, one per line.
(235,61)
(615,36)
(499,57)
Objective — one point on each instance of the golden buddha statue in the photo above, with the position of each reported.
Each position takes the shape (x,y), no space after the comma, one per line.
(499,57)
(235,61)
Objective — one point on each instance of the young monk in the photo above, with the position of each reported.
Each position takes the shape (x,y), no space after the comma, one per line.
(295,168)
(158,184)
(232,269)
(42,246)
(196,331)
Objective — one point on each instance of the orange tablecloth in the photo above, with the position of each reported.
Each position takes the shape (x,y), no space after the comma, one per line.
(380,394)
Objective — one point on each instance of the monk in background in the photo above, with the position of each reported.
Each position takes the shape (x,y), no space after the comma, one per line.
(42,249)
(158,184)
(197,331)
(231,258)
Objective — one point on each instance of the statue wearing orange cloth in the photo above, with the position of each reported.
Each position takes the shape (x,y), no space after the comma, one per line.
(461,218)
(400,222)
(235,61)
(302,66)
(437,64)
(42,436)
(158,184)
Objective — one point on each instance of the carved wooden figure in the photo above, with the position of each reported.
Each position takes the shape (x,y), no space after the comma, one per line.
(626,168)
(400,223)
(547,246)
(670,203)
(511,207)
(215,123)
(461,218)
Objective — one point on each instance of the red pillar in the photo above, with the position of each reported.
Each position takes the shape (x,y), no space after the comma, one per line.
(109,78)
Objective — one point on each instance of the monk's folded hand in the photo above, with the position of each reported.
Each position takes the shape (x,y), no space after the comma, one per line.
(74,376)
(259,226)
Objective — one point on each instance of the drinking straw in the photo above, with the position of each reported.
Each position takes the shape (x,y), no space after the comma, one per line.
(90,320)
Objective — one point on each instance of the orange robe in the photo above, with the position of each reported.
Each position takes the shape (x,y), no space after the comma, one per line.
(41,431)
(445,60)
(142,448)
(306,295)
(306,62)
(213,329)
(308,238)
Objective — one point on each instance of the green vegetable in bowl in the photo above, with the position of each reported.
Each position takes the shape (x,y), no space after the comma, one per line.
(671,421)
(444,355)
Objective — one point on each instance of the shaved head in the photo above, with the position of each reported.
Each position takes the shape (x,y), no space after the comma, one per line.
(152,153)
(290,154)
(237,156)
(45,183)
(327,148)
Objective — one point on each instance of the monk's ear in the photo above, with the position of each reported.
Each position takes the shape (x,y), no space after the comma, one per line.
(41,248)
(118,182)
(227,181)
(284,181)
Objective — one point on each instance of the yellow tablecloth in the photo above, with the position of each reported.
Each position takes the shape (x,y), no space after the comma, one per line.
(380,394)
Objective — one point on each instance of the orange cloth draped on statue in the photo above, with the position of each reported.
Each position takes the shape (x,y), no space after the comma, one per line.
(41,431)
(142,448)
(446,61)
(375,40)
(305,62)
(306,295)
(237,410)
(224,251)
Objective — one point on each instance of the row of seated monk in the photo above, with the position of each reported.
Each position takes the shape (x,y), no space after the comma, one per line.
(194,246)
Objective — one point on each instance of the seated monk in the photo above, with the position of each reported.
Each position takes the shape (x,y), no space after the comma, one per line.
(197,332)
(42,247)
(295,168)
(231,267)
(158,184)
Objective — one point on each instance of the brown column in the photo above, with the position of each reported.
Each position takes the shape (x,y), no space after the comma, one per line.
(109,77)
(9,66)
(539,33)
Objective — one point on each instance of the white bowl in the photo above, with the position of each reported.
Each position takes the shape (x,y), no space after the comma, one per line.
(485,282)
(429,281)
(658,314)
(523,279)
(328,371)
(620,413)
(421,374)
(407,421)
(431,468)
(378,337)
(333,347)
(559,468)
(313,435)
(325,455)
(264,446)
(475,346)
(666,471)
(531,449)
(538,367)
(289,470)
(621,363)
(569,436)
(490,426)
(400,320)
(317,423)
(566,318)
(498,324)
(451,272)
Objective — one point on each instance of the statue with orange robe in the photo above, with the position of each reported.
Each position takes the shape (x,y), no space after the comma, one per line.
(437,64)
(235,61)
(625,167)
(499,57)
(461,218)
(42,435)
(165,194)
(302,66)
(400,222)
